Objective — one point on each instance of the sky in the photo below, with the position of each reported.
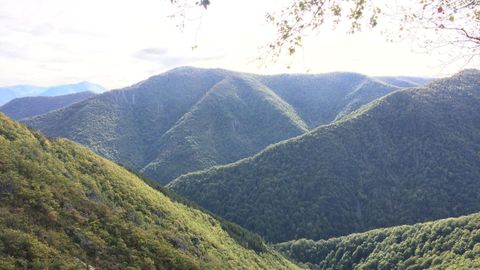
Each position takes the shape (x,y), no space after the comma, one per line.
(116,43)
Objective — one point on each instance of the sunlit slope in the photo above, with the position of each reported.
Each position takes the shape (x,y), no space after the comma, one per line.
(64,207)
(411,156)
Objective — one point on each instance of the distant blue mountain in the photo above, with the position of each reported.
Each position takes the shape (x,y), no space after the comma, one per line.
(8,93)
(26,107)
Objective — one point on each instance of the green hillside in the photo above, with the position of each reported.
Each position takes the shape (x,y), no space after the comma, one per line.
(320,99)
(63,207)
(411,156)
(189,118)
(123,125)
(452,243)
(25,107)
(236,118)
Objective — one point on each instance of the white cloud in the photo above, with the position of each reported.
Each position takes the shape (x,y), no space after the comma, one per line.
(119,42)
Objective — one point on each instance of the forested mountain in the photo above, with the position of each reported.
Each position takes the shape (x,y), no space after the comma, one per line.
(64,207)
(411,156)
(236,118)
(452,243)
(25,107)
(320,99)
(8,93)
(189,118)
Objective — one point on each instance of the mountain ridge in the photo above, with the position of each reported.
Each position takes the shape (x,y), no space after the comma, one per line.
(144,112)
(351,175)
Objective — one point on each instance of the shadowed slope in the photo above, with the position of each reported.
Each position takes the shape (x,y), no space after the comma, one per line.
(408,157)
(237,117)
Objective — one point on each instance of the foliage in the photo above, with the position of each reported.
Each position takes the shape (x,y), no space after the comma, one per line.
(25,107)
(408,157)
(63,207)
(242,236)
(452,243)
(189,119)
(447,22)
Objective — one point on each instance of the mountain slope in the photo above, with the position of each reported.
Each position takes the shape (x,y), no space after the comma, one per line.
(123,125)
(452,243)
(20,108)
(63,207)
(8,93)
(237,117)
(320,99)
(189,118)
(408,157)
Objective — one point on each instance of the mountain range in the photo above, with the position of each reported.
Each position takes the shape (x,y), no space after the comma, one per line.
(26,107)
(64,207)
(189,118)
(330,163)
(410,156)
(8,93)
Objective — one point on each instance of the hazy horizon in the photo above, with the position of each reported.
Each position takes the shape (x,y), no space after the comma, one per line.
(50,42)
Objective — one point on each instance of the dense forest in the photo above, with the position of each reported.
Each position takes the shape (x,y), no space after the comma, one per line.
(26,107)
(183,164)
(64,207)
(411,156)
(189,118)
(452,243)
(408,156)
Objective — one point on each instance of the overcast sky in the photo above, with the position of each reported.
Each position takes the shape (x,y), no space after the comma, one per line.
(116,43)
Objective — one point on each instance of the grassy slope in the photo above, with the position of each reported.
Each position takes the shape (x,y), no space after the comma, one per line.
(62,206)
(452,243)
(25,107)
(409,157)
